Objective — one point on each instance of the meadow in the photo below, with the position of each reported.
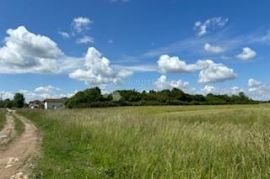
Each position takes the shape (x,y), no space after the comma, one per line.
(231,141)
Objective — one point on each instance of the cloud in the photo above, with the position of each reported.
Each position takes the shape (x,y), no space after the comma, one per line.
(79,29)
(64,34)
(193,45)
(6,95)
(213,49)
(247,54)
(137,68)
(236,90)
(252,83)
(39,93)
(258,89)
(85,40)
(81,24)
(26,52)
(258,86)
(98,70)
(162,84)
(174,64)
(46,89)
(212,72)
(208,89)
(203,28)
(265,38)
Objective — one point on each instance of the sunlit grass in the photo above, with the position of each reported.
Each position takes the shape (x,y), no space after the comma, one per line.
(155,142)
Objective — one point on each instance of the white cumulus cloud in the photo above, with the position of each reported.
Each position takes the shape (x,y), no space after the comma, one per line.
(235,90)
(247,54)
(174,64)
(208,89)
(212,72)
(258,89)
(81,23)
(39,93)
(162,83)
(98,70)
(26,52)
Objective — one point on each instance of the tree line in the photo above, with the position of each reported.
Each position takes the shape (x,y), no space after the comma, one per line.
(18,101)
(93,98)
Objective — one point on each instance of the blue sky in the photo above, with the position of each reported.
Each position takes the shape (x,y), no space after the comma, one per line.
(54,48)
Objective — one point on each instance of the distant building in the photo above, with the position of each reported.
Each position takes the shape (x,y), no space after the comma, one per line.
(36,104)
(54,103)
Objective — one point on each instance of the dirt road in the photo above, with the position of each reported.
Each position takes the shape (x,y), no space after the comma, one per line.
(15,159)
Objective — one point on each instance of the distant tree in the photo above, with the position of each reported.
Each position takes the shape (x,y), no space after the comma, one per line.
(177,94)
(2,104)
(130,95)
(8,103)
(85,98)
(93,94)
(198,98)
(93,98)
(18,100)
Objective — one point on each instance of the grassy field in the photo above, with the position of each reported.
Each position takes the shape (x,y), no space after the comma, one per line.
(155,142)
(2,119)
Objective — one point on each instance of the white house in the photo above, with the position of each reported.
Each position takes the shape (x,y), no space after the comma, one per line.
(54,103)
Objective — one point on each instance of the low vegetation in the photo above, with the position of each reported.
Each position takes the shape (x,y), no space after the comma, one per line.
(2,119)
(155,142)
(94,98)
(19,126)
(18,101)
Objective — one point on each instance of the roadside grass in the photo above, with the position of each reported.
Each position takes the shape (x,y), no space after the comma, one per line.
(19,126)
(2,119)
(155,142)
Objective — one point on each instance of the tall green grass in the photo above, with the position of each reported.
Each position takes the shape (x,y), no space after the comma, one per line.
(155,142)
(19,126)
(2,119)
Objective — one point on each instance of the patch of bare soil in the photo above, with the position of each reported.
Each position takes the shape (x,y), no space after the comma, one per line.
(15,160)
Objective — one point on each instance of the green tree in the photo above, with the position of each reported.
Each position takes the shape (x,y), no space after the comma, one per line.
(18,100)
(85,98)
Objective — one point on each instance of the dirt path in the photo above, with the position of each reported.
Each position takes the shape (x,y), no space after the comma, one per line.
(14,160)
(8,131)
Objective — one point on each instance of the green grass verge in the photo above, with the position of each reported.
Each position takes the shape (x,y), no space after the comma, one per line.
(155,142)
(2,119)
(19,126)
